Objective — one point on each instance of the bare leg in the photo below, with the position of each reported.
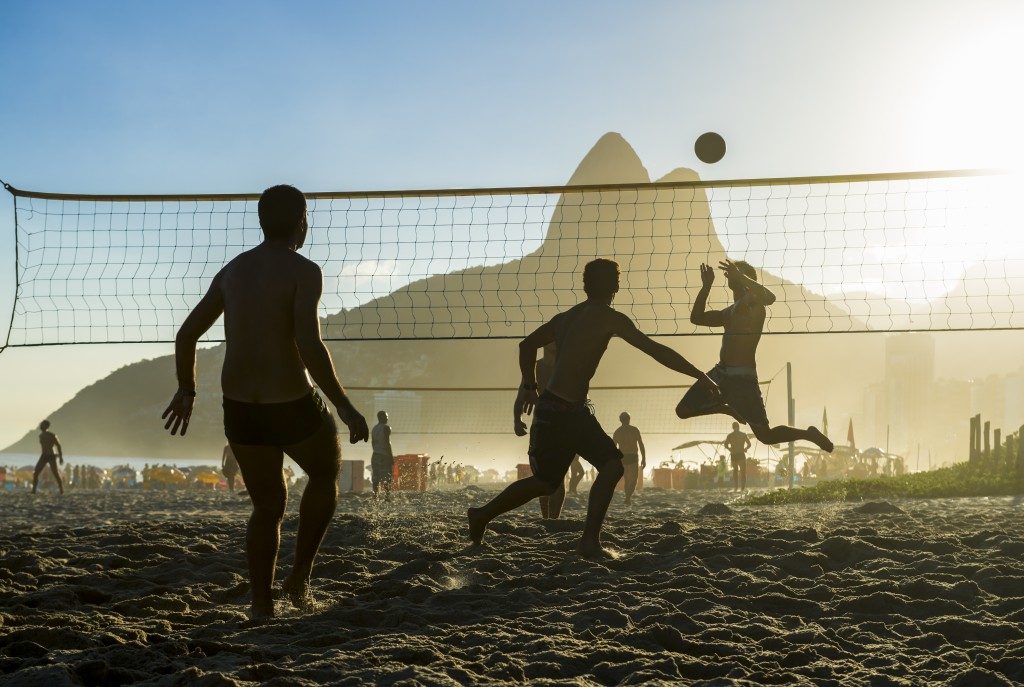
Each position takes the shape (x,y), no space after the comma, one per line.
(555,502)
(545,507)
(608,475)
(320,457)
(743,474)
(631,474)
(514,495)
(684,411)
(784,434)
(231,483)
(736,478)
(261,470)
(56,475)
(576,474)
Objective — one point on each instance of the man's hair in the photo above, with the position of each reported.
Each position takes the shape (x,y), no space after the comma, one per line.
(281,208)
(735,425)
(624,416)
(601,278)
(44,425)
(746,269)
(381,414)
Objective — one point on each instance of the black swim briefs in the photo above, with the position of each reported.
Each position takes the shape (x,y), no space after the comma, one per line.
(274,424)
(560,431)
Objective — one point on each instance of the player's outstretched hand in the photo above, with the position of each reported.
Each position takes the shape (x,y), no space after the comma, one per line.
(707,275)
(179,412)
(356,423)
(729,268)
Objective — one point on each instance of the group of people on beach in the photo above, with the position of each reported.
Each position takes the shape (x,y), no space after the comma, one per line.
(269,296)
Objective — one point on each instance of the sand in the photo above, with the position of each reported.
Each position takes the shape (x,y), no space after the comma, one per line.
(125,587)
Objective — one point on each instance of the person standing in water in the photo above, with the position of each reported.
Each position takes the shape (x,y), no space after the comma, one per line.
(634,454)
(564,425)
(269,297)
(382,463)
(229,466)
(50,452)
(736,371)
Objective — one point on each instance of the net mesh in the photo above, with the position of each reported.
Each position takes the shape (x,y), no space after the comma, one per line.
(928,251)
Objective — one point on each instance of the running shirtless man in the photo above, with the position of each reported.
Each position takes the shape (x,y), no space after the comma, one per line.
(269,298)
(736,372)
(47,443)
(563,425)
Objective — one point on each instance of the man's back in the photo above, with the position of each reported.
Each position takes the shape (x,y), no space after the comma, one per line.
(628,438)
(47,439)
(259,289)
(736,442)
(380,439)
(582,334)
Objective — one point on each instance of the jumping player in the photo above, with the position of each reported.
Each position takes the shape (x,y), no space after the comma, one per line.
(47,443)
(564,425)
(269,297)
(736,371)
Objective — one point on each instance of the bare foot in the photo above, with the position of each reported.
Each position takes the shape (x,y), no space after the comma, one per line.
(297,592)
(822,441)
(261,611)
(592,551)
(477,526)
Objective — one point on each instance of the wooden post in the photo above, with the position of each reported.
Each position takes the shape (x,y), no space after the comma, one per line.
(997,443)
(792,421)
(977,435)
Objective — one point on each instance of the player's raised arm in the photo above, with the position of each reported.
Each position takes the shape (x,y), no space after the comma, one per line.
(526,398)
(628,332)
(198,322)
(699,315)
(754,291)
(314,353)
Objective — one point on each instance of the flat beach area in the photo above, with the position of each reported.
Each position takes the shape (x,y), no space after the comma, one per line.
(149,587)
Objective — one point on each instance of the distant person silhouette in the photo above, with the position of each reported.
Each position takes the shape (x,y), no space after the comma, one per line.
(634,455)
(564,424)
(722,473)
(229,466)
(737,442)
(576,474)
(51,451)
(269,297)
(382,462)
(736,371)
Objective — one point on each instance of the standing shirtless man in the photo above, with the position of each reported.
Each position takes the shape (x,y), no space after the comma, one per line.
(47,443)
(634,454)
(736,372)
(269,298)
(564,425)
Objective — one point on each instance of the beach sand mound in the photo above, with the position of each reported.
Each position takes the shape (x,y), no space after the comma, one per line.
(126,587)
(877,508)
(715,509)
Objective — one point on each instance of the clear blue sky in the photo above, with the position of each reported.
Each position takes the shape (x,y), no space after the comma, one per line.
(234,96)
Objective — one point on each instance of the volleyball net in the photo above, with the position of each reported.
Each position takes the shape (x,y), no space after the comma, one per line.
(887,252)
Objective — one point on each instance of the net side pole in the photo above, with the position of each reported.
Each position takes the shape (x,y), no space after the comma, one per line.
(14,301)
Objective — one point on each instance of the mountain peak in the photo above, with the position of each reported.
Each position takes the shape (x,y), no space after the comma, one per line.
(611,160)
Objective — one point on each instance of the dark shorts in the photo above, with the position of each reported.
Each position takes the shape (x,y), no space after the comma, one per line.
(740,391)
(274,424)
(737,461)
(560,431)
(381,467)
(46,459)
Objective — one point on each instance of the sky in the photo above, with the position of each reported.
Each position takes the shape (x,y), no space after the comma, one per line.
(235,96)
